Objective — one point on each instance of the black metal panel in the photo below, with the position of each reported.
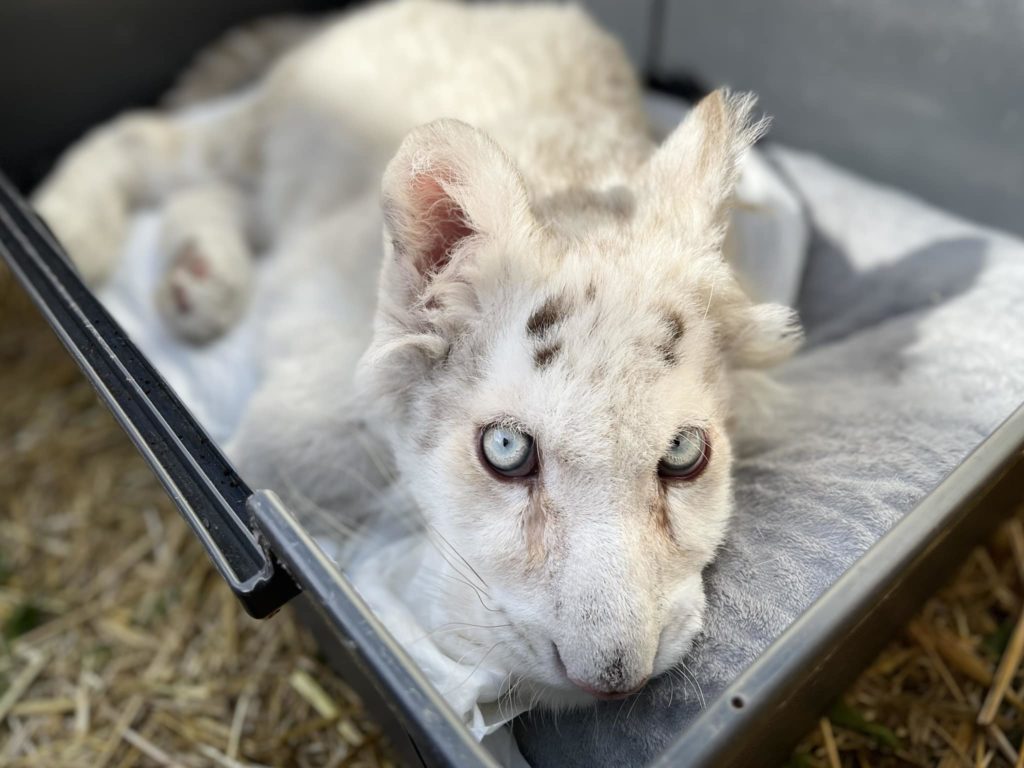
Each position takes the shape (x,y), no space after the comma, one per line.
(197,476)
(375,700)
(440,738)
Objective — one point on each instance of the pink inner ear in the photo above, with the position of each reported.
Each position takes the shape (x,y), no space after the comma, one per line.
(442,221)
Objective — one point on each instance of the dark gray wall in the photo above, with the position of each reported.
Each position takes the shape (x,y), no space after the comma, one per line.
(66,65)
(924,94)
(631,20)
(927,95)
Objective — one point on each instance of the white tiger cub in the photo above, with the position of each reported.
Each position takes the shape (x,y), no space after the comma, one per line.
(557,337)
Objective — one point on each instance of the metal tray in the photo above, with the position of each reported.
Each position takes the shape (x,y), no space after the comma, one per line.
(266,557)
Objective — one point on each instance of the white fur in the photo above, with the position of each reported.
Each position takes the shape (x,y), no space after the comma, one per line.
(524,173)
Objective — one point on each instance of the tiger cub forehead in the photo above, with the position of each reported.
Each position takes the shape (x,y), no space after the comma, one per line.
(657,329)
(582,359)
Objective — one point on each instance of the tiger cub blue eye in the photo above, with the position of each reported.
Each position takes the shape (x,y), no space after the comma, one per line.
(508,451)
(687,455)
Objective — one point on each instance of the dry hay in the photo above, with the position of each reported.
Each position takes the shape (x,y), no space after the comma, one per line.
(120,644)
(949,691)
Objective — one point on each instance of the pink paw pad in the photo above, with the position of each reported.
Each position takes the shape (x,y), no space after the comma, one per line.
(194,262)
(180,298)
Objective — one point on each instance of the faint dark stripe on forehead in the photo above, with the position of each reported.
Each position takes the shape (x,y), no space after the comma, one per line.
(547,316)
(542,356)
(668,346)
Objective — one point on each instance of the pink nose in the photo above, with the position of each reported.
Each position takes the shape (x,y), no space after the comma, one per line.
(609,695)
(596,692)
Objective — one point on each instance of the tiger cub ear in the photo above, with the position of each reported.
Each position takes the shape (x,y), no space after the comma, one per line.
(447,184)
(690,179)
